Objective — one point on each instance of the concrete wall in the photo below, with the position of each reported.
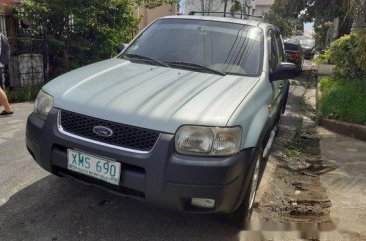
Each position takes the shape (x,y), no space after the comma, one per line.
(150,15)
(262,10)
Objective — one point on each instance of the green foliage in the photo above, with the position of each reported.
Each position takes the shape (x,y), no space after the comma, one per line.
(154,3)
(343,55)
(285,15)
(328,10)
(23,94)
(360,48)
(323,12)
(284,25)
(79,32)
(323,59)
(238,7)
(343,99)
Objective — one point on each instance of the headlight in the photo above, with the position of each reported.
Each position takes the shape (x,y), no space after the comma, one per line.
(43,104)
(210,141)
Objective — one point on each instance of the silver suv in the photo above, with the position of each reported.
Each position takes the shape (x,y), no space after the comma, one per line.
(182,117)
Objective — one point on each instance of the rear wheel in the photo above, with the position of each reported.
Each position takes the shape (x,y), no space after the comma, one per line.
(242,215)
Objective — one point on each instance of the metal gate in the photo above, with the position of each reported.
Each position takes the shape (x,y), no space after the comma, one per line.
(29,59)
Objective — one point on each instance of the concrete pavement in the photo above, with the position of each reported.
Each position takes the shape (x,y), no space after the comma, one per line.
(17,170)
(346,184)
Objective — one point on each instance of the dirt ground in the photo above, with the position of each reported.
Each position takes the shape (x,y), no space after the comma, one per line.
(291,191)
(313,186)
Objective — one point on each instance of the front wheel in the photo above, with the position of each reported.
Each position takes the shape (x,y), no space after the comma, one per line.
(242,215)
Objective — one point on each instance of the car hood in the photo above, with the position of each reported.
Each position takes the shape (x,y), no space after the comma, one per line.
(149,96)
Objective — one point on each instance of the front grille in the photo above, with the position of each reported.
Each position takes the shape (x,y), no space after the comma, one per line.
(123,135)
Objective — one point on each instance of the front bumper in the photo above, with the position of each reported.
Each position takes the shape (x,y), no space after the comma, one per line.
(161,176)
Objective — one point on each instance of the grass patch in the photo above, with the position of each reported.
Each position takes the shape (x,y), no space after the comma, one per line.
(23,94)
(343,99)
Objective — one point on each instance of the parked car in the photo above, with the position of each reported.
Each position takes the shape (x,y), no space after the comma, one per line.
(307,45)
(294,54)
(182,117)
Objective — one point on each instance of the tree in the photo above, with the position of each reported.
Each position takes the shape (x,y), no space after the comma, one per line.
(225,5)
(238,7)
(205,5)
(328,10)
(285,14)
(153,3)
(79,32)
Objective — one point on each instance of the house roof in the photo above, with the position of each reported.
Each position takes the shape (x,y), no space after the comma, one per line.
(9,2)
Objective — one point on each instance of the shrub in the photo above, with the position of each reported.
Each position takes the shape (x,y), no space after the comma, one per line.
(323,59)
(360,49)
(79,32)
(23,94)
(346,53)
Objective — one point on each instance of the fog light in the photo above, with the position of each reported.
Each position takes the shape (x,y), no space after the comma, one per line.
(203,202)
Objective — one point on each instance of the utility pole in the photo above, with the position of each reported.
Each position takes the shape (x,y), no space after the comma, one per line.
(361,16)
(363,2)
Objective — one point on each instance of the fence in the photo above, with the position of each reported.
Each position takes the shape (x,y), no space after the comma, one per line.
(29,60)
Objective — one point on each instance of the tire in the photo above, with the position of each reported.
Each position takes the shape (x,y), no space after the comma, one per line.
(277,123)
(285,99)
(241,216)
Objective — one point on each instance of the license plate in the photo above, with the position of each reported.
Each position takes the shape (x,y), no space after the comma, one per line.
(97,167)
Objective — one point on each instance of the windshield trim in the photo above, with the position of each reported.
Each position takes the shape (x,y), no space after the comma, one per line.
(261,62)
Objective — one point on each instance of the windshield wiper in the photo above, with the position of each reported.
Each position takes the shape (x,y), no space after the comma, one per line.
(137,56)
(195,66)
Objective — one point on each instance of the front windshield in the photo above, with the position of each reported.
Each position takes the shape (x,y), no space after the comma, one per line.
(226,47)
(307,42)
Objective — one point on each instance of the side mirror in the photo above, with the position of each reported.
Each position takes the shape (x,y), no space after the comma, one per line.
(283,71)
(121,47)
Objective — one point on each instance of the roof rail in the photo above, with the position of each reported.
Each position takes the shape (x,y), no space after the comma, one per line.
(227,13)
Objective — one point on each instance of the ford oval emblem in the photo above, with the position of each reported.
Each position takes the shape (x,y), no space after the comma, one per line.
(102,131)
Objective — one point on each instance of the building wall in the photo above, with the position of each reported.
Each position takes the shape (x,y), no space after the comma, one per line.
(261,10)
(150,15)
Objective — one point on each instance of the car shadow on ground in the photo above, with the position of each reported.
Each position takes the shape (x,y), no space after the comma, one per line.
(62,209)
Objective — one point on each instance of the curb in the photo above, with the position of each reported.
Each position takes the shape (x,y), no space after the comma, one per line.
(344,128)
(326,69)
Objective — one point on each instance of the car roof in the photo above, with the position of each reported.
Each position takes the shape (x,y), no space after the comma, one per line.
(254,23)
(292,41)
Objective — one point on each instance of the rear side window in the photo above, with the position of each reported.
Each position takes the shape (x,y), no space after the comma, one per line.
(281,52)
(293,47)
